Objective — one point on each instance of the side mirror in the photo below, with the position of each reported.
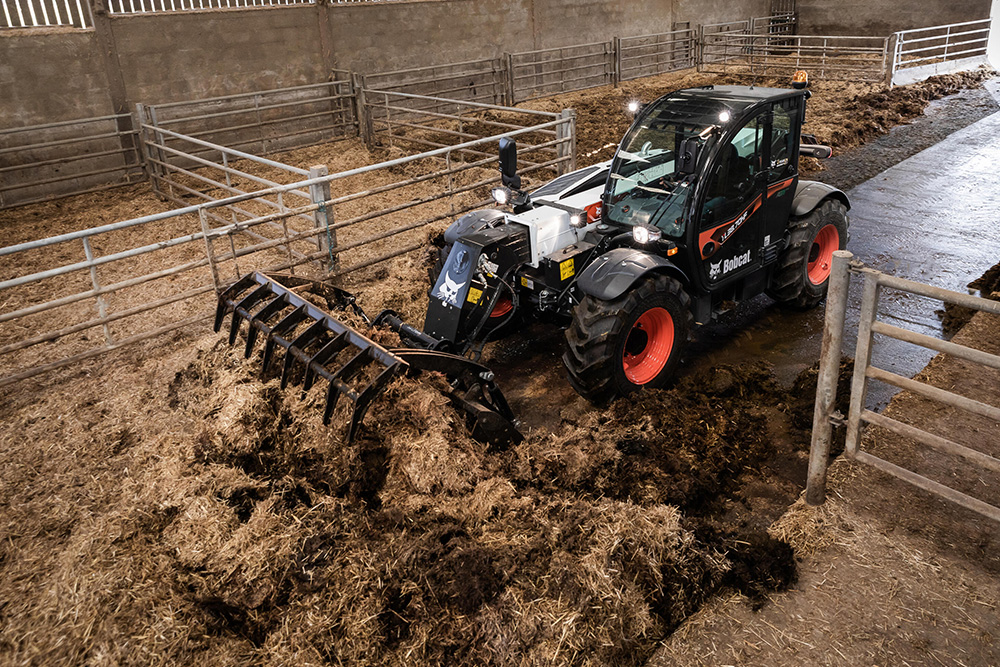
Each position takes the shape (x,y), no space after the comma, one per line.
(687,156)
(815,150)
(508,164)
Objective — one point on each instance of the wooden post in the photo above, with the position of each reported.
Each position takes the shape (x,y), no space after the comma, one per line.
(616,51)
(508,60)
(829,373)
(326,240)
(365,127)
(140,118)
(567,149)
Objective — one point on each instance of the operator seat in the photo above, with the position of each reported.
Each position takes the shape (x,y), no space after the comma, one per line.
(733,179)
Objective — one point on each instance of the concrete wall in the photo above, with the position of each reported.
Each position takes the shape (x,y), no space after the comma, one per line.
(182,56)
(398,35)
(883,17)
(50,75)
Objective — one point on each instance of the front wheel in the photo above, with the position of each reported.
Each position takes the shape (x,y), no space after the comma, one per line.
(616,347)
(802,273)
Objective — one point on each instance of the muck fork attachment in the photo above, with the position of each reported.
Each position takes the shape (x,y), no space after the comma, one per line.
(317,345)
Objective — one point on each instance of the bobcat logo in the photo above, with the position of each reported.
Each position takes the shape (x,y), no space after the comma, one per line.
(714,270)
(448,291)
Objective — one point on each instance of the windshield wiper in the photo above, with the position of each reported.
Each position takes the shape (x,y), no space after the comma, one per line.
(632,156)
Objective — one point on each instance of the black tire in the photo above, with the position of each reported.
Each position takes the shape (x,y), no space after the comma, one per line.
(802,273)
(601,335)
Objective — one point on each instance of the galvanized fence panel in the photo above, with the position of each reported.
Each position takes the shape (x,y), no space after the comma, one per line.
(44,162)
(864,371)
(185,169)
(925,52)
(777,24)
(473,81)
(718,42)
(73,297)
(650,55)
(45,13)
(849,58)
(534,74)
(265,121)
(396,120)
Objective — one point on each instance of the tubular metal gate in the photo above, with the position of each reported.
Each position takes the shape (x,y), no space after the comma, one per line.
(395,117)
(940,49)
(534,74)
(824,417)
(103,151)
(780,54)
(472,81)
(650,55)
(264,121)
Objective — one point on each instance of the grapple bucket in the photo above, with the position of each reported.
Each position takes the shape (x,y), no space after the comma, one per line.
(317,345)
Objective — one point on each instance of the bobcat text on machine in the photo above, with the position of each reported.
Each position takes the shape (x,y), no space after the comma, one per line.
(700,208)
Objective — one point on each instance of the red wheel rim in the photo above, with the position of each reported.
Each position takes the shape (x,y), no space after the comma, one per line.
(821,254)
(504,305)
(648,346)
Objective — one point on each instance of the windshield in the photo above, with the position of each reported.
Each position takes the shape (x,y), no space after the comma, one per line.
(644,185)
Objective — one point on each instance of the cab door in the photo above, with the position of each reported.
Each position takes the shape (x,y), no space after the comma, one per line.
(782,173)
(731,219)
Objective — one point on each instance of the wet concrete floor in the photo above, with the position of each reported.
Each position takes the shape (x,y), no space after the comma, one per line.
(933,218)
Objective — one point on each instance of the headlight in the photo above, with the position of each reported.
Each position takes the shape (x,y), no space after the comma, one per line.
(501,196)
(577,219)
(643,234)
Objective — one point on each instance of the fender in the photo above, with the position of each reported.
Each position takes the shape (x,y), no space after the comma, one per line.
(471,223)
(808,195)
(613,273)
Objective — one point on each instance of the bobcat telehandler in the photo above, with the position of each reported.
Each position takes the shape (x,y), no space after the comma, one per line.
(700,208)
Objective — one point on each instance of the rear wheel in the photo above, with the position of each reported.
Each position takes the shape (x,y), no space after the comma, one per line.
(802,274)
(616,347)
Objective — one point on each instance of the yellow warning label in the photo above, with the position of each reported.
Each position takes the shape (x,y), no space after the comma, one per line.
(530,284)
(566,269)
(474,295)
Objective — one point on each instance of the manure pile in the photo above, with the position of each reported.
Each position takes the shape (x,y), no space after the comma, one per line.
(210,518)
(987,286)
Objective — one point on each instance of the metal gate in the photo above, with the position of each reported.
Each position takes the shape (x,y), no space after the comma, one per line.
(924,52)
(824,417)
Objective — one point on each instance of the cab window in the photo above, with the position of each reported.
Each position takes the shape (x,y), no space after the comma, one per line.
(783,139)
(732,179)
